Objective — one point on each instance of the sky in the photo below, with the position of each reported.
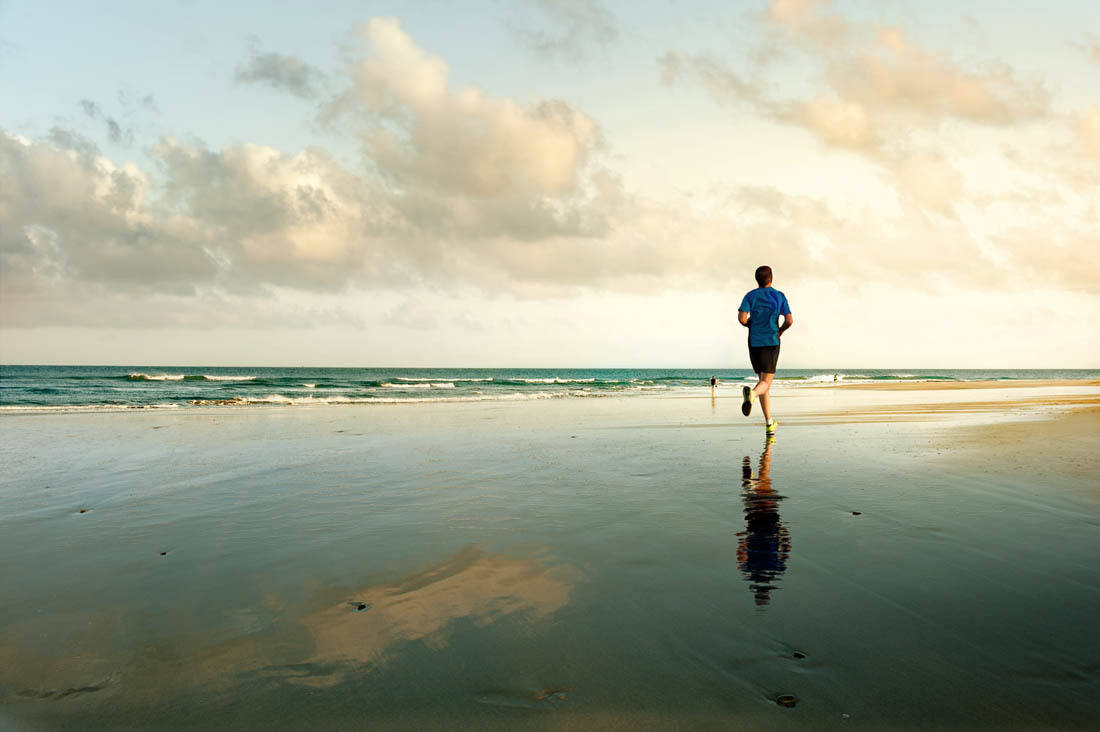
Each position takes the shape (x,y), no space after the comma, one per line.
(549,182)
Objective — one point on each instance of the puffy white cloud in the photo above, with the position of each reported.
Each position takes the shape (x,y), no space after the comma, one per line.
(464,142)
(458,188)
(296,219)
(76,214)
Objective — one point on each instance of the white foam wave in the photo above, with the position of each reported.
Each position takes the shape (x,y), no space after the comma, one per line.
(555,380)
(826,378)
(417,378)
(904,376)
(137,376)
(215,377)
(31,409)
(310,386)
(433,385)
(279,399)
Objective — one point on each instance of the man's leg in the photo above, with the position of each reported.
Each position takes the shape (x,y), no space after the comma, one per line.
(762,388)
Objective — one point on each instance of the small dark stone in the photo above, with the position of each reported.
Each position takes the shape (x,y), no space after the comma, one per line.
(799,655)
(572,437)
(787,700)
(360,607)
(856,513)
(164,554)
(83,510)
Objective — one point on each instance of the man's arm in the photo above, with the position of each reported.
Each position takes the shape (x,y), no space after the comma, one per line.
(788,321)
(743,318)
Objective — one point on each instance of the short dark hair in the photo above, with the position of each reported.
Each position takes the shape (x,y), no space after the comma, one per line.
(763,275)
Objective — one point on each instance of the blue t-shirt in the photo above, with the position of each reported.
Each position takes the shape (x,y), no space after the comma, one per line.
(765,305)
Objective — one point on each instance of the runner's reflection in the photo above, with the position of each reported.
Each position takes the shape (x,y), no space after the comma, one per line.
(765,545)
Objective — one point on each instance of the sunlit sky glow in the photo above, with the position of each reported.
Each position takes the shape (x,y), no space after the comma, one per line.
(549,183)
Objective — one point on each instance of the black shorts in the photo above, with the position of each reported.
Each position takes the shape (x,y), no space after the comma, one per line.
(764,358)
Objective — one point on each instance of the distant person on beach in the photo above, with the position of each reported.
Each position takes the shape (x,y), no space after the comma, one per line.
(713,384)
(759,312)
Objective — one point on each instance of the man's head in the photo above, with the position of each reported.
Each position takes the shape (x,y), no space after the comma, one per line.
(764,275)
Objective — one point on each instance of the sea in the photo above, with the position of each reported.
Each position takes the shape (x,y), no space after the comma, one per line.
(88,388)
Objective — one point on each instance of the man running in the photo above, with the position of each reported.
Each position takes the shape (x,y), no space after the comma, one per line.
(759,312)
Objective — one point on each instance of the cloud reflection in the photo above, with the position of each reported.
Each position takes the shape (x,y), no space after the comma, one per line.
(471,584)
(267,644)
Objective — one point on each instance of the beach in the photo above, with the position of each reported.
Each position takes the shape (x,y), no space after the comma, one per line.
(901,556)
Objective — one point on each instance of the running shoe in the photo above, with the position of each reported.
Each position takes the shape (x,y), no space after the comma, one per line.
(748,395)
(770,429)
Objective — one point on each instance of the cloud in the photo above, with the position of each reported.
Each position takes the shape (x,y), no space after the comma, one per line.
(457,188)
(577,25)
(1091,48)
(809,20)
(892,74)
(115,132)
(1088,129)
(722,82)
(461,162)
(75,214)
(837,122)
(267,216)
(285,73)
(879,85)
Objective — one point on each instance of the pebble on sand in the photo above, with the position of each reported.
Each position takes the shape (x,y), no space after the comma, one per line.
(786,700)
(799,655)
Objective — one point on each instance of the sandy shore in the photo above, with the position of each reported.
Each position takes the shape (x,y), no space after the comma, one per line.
(896,559)
(965,385)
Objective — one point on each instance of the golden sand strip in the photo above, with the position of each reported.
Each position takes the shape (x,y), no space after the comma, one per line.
(933,408)
(945,385)
(1050,450)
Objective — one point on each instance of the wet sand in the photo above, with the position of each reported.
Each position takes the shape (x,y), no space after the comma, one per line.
(913,559)
(963,385)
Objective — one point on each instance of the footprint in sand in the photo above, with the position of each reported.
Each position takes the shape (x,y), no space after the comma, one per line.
(56,694)
(541,699)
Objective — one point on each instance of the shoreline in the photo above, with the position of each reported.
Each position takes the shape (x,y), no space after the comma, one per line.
(1082,393)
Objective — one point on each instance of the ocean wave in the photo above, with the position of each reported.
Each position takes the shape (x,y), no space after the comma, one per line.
(36,408)
(137,376)
(418,378)
(433,385)
(818,378)
(310,386)
(280,400)
(554,380)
